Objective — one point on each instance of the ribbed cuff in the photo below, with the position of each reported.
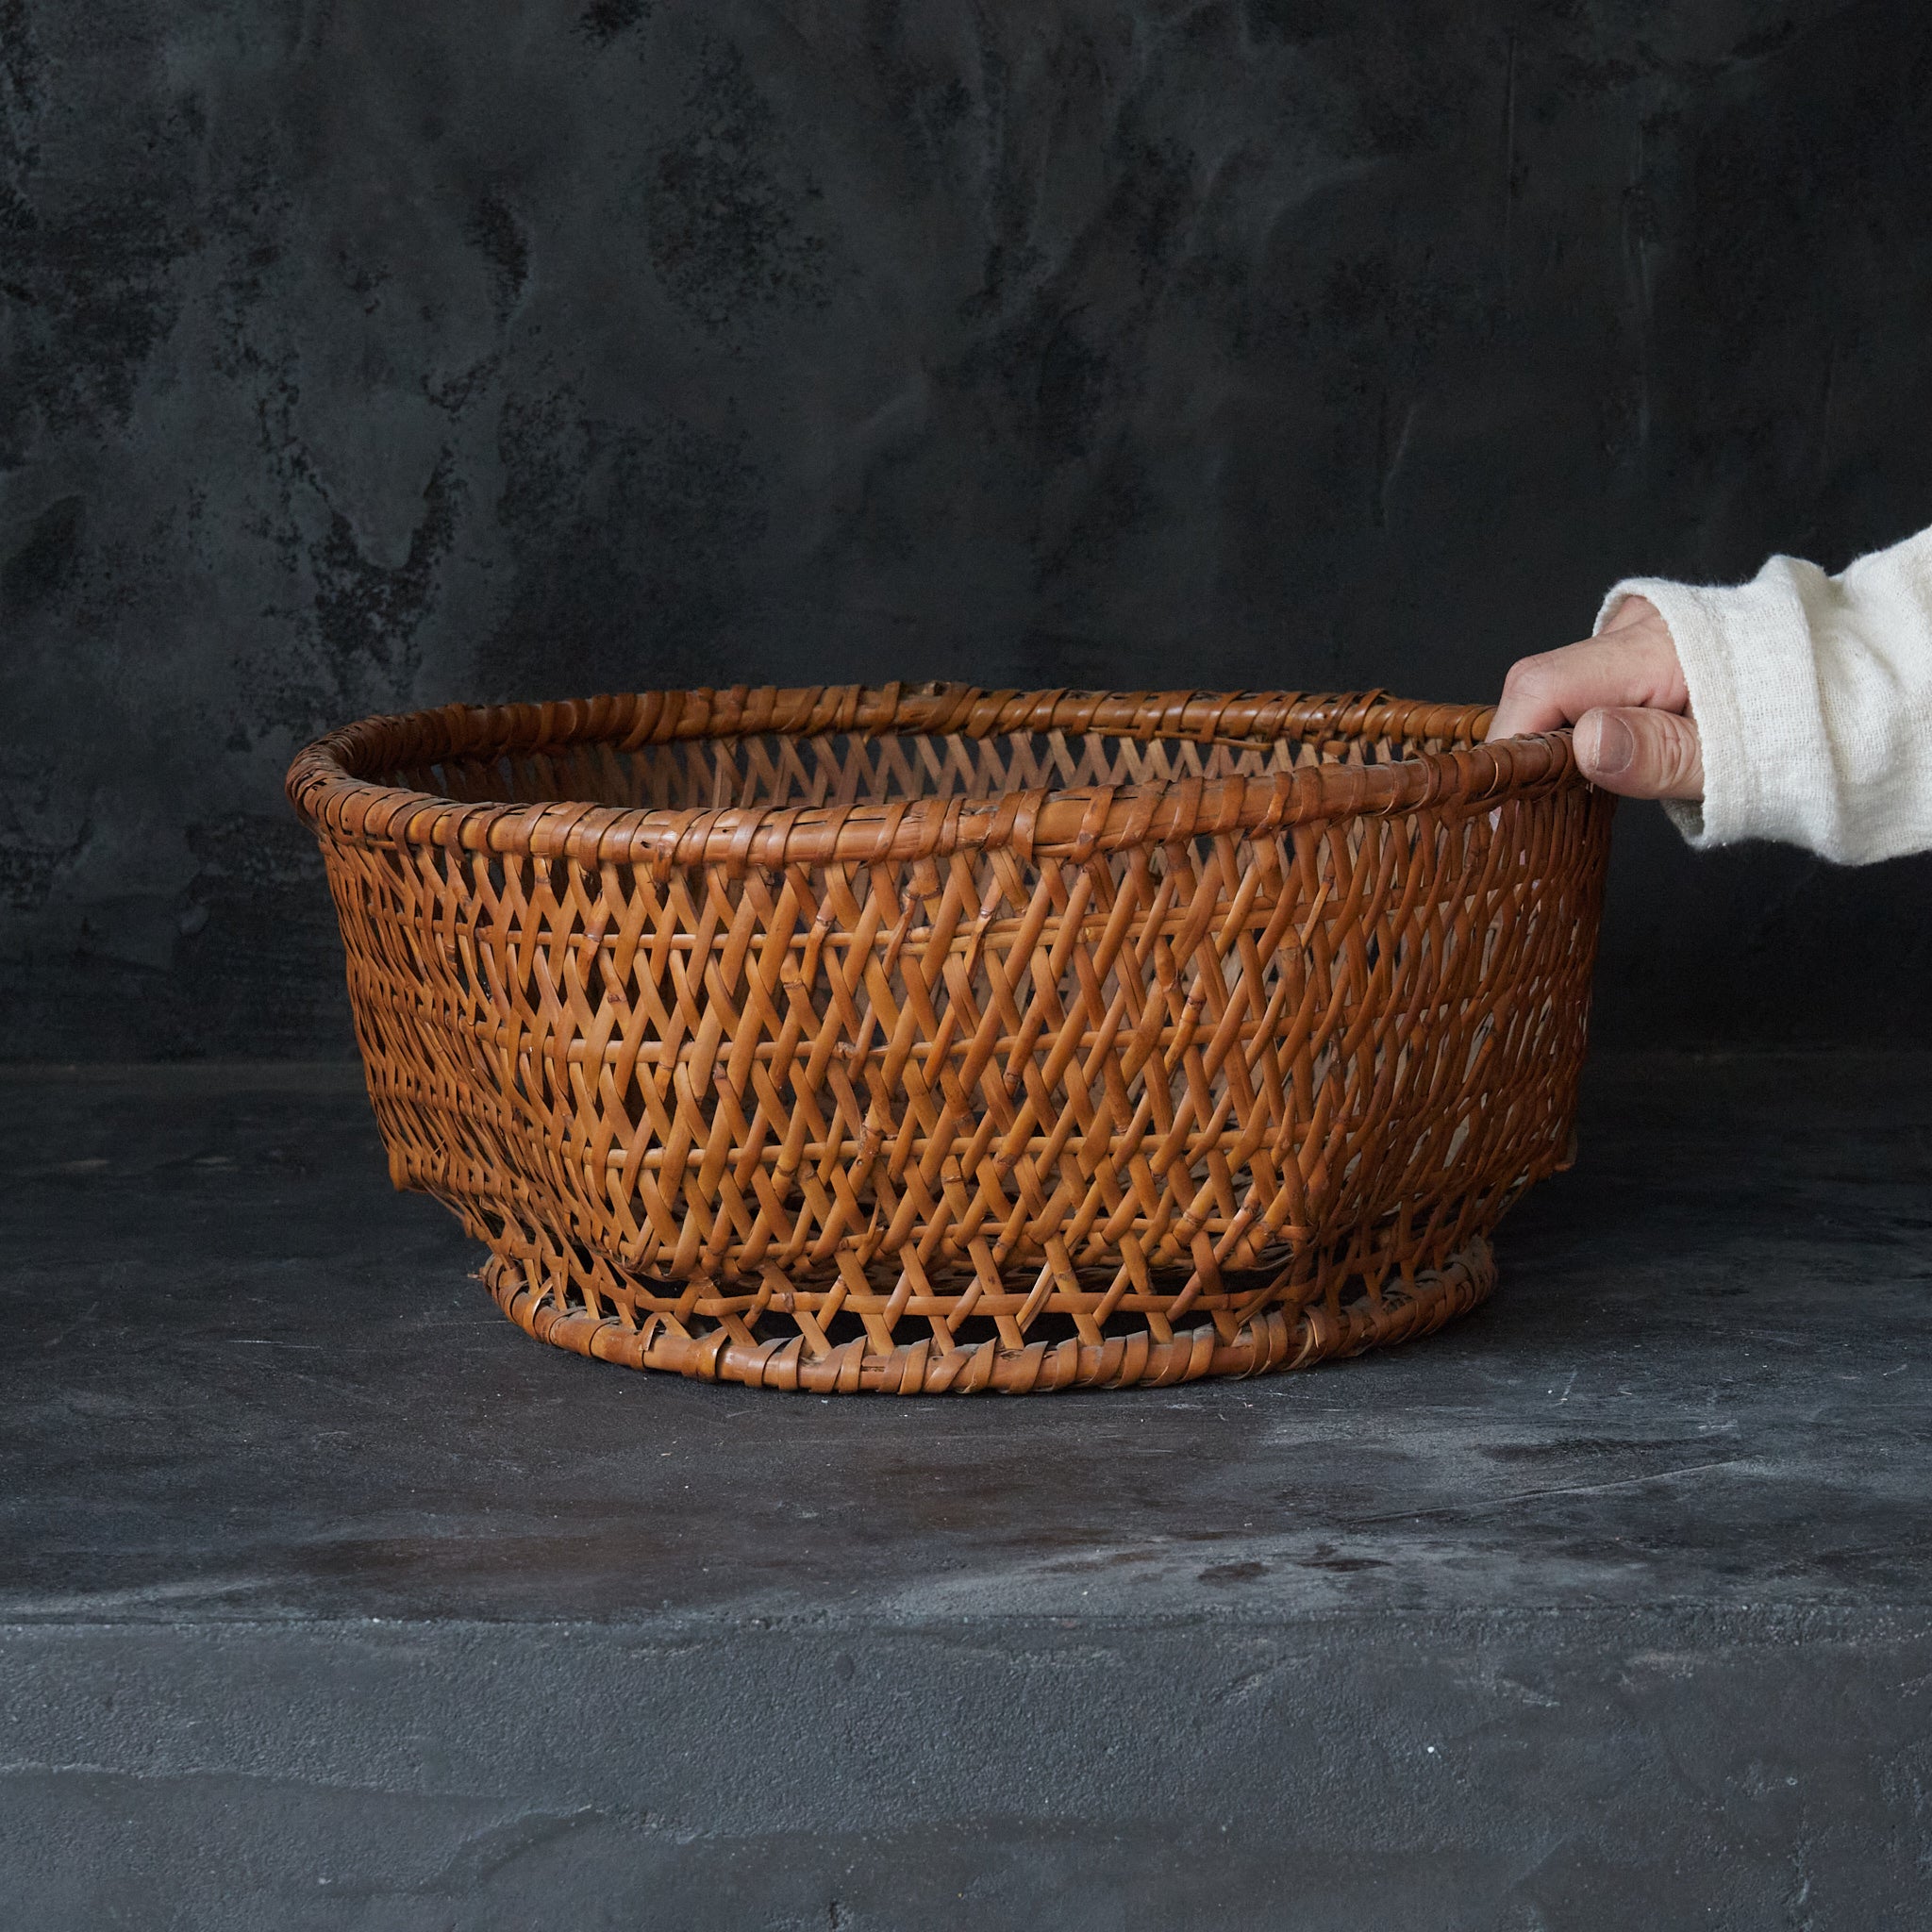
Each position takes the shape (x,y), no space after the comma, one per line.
(1747,658)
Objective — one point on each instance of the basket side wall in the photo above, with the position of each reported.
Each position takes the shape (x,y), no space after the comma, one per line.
(1211,1074)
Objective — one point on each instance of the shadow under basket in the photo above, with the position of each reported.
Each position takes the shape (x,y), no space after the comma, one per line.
(913,1040)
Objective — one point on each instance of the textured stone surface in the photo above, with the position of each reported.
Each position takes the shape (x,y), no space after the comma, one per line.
(329,1600)
(355,357)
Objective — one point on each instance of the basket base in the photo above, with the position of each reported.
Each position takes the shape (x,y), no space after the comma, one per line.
(1278,1339)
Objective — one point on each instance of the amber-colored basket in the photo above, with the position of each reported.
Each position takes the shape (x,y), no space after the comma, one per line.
(915,1040)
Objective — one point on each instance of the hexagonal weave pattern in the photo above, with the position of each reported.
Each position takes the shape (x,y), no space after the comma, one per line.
(930,1040)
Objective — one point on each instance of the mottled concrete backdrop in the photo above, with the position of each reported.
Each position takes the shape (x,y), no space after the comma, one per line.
(359,355)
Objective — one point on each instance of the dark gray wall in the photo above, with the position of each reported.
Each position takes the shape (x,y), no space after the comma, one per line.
(363,356)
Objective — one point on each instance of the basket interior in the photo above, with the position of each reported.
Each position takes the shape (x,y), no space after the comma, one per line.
(771,770)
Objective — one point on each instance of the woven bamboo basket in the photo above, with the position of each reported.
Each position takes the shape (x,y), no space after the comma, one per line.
(919,1040)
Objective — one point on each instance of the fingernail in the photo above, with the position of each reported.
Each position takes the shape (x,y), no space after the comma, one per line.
(1615,745)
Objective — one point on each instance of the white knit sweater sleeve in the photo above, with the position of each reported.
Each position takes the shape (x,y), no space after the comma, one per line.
(1813,698)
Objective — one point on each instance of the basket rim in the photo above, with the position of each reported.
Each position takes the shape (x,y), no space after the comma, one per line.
(327,786)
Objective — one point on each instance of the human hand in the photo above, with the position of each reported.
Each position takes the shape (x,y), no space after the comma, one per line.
(1623,691)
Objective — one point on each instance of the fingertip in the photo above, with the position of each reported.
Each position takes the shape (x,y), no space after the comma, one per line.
(1616,744)
(1606,746)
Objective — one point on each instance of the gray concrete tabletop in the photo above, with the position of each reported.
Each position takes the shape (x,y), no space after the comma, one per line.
(328,1599)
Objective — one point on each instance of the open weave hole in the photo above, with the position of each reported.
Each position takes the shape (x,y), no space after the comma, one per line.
(849,1038)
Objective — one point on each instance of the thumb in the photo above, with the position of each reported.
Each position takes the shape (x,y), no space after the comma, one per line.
(1640,753)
